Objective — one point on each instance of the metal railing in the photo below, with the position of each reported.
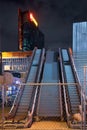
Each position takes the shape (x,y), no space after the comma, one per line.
(34,101)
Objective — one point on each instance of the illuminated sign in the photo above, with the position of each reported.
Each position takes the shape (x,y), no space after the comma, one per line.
(33,19)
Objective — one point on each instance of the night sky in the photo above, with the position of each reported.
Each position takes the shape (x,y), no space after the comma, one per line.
(55,18)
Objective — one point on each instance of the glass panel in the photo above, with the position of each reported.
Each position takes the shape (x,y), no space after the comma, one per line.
(80,37)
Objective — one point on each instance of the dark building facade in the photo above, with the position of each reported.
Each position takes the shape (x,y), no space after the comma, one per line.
(29,35)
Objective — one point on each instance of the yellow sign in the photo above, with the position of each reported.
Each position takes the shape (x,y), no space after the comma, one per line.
(33,19)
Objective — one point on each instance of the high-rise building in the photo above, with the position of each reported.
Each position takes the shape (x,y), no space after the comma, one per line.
(29,35)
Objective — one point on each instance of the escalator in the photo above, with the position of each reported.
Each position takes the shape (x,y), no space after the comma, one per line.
(71,89)
(25,99)
(45,101)
(50,100)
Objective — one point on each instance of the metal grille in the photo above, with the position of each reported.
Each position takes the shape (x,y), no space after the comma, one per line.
(16,64)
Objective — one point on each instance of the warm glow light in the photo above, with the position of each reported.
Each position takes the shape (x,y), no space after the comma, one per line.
(33,19)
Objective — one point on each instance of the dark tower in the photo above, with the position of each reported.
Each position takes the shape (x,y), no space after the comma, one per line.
(29,35)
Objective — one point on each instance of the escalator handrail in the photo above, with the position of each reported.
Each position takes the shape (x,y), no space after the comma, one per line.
(82,96)
(19,94)
(65,99)
(38,79)
(31,61)
(65,63)
(75,72)
(38,75)
(72,60)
